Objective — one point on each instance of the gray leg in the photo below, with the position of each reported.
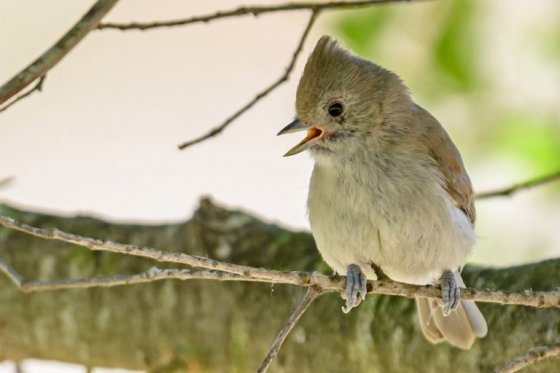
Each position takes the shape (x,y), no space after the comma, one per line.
(450,292)
(356,288)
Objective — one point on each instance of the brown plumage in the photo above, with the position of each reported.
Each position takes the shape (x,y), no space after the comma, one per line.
(389,188)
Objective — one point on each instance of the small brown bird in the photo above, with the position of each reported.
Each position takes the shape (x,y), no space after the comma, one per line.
(388,190)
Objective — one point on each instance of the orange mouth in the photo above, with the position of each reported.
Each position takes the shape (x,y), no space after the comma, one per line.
(312,134)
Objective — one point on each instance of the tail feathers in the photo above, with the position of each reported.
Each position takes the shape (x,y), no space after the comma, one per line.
(460,328)
(476,319)
(429,328)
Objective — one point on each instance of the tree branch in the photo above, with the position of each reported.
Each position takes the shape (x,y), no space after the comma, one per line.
(6,181)
(303,305)
(284,78)
(538,299)
(508,191)
(38,87)
(54,54)
(294,278)
(246,10)
(153,274)
(530,357)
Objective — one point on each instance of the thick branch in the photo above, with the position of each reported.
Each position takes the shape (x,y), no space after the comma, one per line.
(210,326)
(294,278)
(246,10)
(284,78)
(53,55)
(508,191)
(538,299)
(531,357)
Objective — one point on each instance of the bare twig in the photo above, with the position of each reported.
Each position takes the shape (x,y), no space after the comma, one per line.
(5,181)
(508,191)
(37,87)
(538,299)
(153,274)
(295,278)
(284,78)
(530,357)
(303,305)
(55,53)
(246,10)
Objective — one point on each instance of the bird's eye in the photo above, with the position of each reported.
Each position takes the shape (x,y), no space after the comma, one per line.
(336,109)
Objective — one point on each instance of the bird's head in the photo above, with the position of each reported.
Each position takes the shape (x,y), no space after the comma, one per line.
(341,99)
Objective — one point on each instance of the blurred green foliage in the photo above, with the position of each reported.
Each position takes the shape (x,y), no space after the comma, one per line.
(547,36)
(362,29)
(445,50)
(531,140)
(454,50)
(490,72)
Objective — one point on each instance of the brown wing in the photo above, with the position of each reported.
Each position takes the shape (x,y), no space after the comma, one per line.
(449,162)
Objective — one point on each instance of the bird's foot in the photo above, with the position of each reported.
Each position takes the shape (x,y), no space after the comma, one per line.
(450,292)
(356,287)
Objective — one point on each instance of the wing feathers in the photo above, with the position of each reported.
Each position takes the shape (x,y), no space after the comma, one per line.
(449,163)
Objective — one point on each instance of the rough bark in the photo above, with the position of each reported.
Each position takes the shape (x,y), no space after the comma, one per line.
(228,327)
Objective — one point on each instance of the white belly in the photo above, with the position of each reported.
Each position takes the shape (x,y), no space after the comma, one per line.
(406,225)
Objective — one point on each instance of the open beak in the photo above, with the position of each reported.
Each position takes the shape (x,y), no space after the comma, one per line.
(297,125)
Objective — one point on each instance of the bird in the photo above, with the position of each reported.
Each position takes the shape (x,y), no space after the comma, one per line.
(389,194)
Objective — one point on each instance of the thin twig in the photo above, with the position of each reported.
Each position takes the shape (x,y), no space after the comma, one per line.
(538,299)
(508,191)
(530,357)
(246,10)
(284,78)
(54,54)
(295,278)
(6,181)
(303,305)
(153,274)
(37,87)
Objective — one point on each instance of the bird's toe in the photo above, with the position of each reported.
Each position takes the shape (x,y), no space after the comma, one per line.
(356,287)
(450,292)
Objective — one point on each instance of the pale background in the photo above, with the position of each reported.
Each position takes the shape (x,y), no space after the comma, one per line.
(101,139)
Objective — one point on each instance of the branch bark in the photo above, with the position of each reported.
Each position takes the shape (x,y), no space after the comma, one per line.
(530,357)
(6,181)
(538,299)
(303,305)
(36,88)
(284,78)
(151,275)
(508,191)
(224,326)
(247,10)
(39,67)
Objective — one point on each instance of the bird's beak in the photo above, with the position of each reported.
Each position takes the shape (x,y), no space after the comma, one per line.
(296,126)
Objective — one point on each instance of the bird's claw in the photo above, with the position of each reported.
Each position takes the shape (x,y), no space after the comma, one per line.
(450,293)
(356,287)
